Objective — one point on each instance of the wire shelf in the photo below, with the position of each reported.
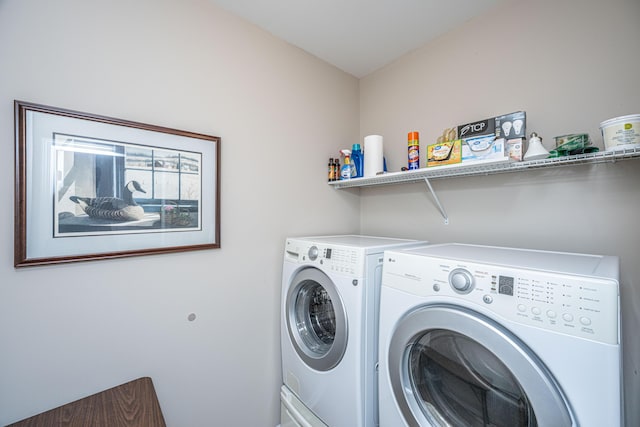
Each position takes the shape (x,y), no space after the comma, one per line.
(419,175)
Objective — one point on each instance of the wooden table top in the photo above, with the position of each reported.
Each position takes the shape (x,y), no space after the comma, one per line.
(133,404)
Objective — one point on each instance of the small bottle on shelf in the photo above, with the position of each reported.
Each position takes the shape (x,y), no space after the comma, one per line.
(336,169)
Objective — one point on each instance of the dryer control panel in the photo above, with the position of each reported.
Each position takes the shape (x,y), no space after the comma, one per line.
(578,305)
(336,259)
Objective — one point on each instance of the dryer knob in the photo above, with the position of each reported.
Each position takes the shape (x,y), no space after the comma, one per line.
(461,281)
(313,253)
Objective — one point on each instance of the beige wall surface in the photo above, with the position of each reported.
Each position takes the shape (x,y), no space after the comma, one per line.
(68,331)
(72,330)
(570,65)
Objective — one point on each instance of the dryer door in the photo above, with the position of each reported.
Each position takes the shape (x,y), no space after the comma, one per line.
(316,319)
(450,366)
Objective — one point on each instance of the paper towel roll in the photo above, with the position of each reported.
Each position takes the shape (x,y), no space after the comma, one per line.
(373,156)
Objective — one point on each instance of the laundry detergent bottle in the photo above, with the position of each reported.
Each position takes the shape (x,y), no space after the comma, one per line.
(347,171)
(357,160)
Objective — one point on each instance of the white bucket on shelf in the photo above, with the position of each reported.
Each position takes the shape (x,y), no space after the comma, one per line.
(621,132)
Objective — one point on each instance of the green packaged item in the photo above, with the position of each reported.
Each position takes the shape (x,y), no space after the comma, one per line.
(584,150)
(574,141)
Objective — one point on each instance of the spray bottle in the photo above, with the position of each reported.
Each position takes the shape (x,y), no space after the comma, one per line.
(347,171)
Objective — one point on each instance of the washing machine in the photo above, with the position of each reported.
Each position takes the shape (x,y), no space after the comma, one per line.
(330,300)
(487,336)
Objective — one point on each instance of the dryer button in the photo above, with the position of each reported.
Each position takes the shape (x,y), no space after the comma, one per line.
(551,314)
(522,308)
(313,253)
(585,321)
(461,281)
(536,311)
(488,299)
(436,287)
(568,317)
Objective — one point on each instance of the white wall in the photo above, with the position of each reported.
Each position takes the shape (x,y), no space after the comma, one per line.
(69,331)
(570,65)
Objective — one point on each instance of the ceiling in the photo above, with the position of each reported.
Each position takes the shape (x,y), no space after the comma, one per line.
(357,36)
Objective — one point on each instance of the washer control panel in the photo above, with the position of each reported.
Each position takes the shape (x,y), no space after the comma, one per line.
(342,260)
(582,306)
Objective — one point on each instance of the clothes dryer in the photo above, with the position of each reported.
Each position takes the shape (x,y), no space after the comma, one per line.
(330,301)
(487,336)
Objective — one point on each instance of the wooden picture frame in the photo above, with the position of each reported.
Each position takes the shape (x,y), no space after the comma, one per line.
(90,187)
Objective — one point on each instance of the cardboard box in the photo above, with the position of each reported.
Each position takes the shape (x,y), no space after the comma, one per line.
(511,126)
(481,128)
(496,139)
(483,149)
(444,153)
(516,149)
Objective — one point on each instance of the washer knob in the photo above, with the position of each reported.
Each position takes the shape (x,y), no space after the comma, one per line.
(461,281)
(313,253)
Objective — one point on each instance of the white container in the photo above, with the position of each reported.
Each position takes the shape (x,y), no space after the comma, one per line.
(621,132)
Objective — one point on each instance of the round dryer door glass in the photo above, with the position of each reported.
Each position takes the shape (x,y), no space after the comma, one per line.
(452,366)
(316,319)
(462,383)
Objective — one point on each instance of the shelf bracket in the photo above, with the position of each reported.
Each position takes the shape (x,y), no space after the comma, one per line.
(435,198)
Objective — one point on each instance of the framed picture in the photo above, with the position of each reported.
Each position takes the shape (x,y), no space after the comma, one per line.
(91,187)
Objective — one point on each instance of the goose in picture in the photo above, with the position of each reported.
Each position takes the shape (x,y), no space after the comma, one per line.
(113,208)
